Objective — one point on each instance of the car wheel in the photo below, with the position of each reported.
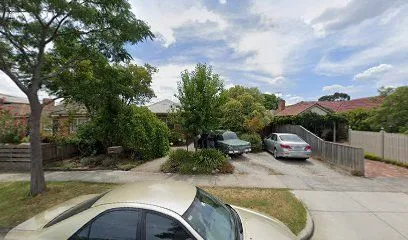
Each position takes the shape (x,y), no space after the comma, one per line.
(275,153)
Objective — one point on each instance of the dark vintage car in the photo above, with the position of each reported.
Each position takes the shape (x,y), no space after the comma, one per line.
(229,143)
(225,141)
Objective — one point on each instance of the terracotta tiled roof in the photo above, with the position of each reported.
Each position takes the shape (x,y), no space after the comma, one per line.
(338,106)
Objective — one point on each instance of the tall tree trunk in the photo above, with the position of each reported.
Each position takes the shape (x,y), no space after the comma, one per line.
(37,184)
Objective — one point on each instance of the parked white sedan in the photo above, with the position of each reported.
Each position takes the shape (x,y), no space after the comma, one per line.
(149,211)
(287,145)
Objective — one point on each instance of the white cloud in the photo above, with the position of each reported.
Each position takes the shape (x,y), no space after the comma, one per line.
(340,88)
(165,80)
(373,72)
(7,86)
(375,42)
(223,1)
(352,14)
(164,17)
(291,99)
(270,49)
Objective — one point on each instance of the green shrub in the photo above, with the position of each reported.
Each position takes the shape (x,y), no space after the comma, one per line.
(176,138)
(12,130)
(143,133)
(372,156)
(85,161)
(255,140)
(180,155)
(205,161)
(108,162)
(89,143)
(390,161)
(208,160)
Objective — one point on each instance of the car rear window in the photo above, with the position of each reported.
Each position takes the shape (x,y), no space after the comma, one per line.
(290,138)
(74,210)
(229,135)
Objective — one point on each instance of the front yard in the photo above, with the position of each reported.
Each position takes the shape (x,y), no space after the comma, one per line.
(16,205)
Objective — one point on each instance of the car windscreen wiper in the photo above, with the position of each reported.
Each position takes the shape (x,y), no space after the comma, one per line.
(237,221)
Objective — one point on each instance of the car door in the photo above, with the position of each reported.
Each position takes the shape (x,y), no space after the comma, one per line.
(113,224)
(158,226)
(268,143)
(272,142)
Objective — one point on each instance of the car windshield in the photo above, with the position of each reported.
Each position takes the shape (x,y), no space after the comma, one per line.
(290,138)
(210,218)
(229,135)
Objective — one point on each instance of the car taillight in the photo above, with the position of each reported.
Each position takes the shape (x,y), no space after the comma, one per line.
(307,148)
(285,146)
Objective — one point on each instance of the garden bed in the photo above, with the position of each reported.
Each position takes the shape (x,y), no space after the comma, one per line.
(205,161)
(17,206)
(99,162)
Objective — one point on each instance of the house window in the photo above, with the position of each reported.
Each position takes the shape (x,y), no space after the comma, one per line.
(76,123)
(55,126)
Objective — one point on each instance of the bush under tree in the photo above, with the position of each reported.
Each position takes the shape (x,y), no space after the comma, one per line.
(255,140)
(244,110)
(205,161)
(142,135)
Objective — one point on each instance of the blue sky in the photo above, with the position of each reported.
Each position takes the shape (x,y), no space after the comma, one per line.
(300,49)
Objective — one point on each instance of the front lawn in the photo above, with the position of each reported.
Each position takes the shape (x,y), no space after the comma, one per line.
(16,205)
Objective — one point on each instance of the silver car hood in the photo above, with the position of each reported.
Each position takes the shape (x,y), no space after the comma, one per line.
(260,227)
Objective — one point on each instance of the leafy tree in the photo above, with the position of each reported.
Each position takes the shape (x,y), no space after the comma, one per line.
(271,101)
(359,119)
(385,91)
(237,91)
(105,90)
(245,105)
(97,84)
(199,93)
(393,113)
(335,97)
(40,39)
(233,115)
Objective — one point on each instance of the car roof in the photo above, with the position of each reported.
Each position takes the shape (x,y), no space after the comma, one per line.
(281,134)
(174,196)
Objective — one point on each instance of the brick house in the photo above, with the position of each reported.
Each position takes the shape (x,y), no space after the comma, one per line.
(327,107)
(20,108)
(66,118)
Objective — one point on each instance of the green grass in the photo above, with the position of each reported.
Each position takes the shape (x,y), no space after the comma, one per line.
(16,205)
(389,161)
(278,203)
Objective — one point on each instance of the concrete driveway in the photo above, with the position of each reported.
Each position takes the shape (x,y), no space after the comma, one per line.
(342,206)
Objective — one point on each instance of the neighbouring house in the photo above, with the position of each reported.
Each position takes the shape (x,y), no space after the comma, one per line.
(327,107)
(67,117)
(20,108)
(162,109)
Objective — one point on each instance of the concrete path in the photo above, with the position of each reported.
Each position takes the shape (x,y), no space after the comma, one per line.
(357,215)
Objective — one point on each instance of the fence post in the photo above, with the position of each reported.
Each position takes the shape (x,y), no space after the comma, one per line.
(349,135)
(334,131)
(382,143)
